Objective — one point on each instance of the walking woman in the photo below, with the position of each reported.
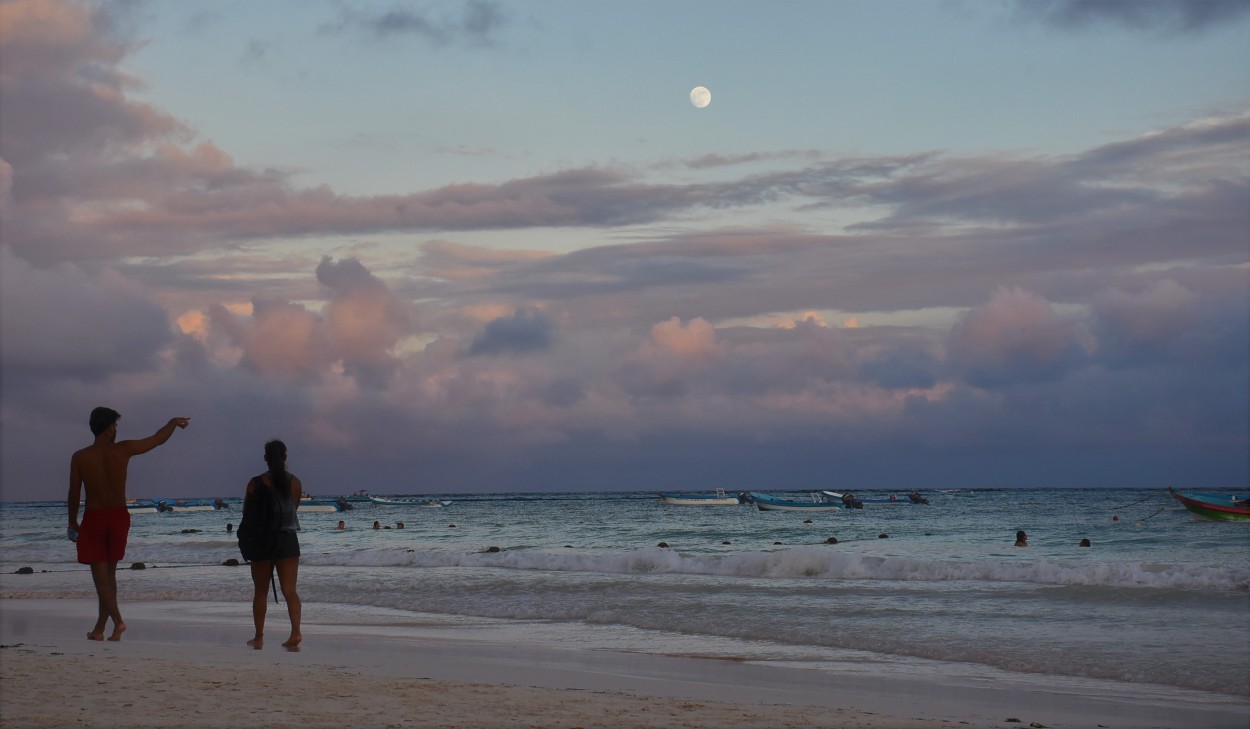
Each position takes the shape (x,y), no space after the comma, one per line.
(267,539)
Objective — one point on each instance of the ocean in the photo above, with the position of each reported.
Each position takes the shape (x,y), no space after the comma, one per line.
(1161,597)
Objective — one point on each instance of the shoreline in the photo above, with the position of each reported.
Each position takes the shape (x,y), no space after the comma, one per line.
(179,654)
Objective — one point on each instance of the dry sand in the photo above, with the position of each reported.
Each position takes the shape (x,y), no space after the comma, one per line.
(185,665)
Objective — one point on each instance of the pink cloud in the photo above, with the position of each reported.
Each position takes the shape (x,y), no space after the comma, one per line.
(358,329)
(1015,336)
(673,354)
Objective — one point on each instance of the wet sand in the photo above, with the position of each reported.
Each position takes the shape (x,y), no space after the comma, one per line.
(186,664)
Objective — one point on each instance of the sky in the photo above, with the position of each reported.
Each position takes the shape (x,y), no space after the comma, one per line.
(457,247)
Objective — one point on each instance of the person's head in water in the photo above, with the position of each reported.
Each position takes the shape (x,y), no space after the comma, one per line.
(1022,539)
(102,418)
(1084,543)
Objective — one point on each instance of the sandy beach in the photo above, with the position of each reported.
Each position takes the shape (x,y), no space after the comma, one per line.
(185,664)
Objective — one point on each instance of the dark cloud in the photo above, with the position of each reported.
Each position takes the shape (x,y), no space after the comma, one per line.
(257,50)
(527,330)
(65,322)
(1170,324)
(472,23)
(1165,16)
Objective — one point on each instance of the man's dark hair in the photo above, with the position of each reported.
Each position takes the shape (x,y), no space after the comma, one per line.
(102,418)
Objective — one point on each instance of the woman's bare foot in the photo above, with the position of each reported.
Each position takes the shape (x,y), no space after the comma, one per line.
(95,635)
(292,643)
(118,629)
(257,643)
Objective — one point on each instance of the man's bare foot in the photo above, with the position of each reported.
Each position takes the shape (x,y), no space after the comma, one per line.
(257,643)
(292,643)
(118,629)
(95,635)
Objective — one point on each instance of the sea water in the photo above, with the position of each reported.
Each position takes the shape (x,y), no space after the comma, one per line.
(1161,597)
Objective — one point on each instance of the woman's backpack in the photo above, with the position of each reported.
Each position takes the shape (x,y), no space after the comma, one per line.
(262,520)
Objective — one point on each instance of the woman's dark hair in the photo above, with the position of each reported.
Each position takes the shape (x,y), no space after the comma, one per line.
(275,456)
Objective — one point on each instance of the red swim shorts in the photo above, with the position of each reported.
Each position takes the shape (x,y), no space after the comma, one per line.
(102,535)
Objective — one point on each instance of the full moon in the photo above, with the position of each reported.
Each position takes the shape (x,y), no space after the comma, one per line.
(700,96)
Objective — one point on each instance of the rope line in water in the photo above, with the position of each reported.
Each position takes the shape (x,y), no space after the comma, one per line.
(1140,501)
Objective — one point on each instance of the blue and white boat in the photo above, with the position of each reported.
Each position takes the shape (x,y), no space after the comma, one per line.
(815,502)
(405,501)
(716,498)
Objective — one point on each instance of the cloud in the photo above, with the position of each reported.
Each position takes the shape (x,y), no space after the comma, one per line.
(664,364)
(1009,301)
(358,329)
(105,177)
(1167,323)
(1164,16)
(364,318)
(66,322)
(475,23)
(1015,337)
(527,330)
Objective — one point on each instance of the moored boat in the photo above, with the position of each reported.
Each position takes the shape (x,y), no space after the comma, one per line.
(816,502)
(1220,507)
(319,505)
(164,505)
(426,503)
(717,498)
(911,499)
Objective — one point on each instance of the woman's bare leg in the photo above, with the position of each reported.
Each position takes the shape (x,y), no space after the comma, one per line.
(288,574)
(261,572)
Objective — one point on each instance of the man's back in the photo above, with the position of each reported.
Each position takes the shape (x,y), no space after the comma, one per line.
(101,468)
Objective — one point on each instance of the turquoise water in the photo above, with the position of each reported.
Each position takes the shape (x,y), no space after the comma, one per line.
(1161,597)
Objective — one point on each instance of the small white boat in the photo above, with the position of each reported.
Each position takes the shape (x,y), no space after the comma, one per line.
(718,498)
(318,506)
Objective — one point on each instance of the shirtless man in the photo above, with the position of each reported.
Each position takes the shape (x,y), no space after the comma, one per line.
(100,468)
